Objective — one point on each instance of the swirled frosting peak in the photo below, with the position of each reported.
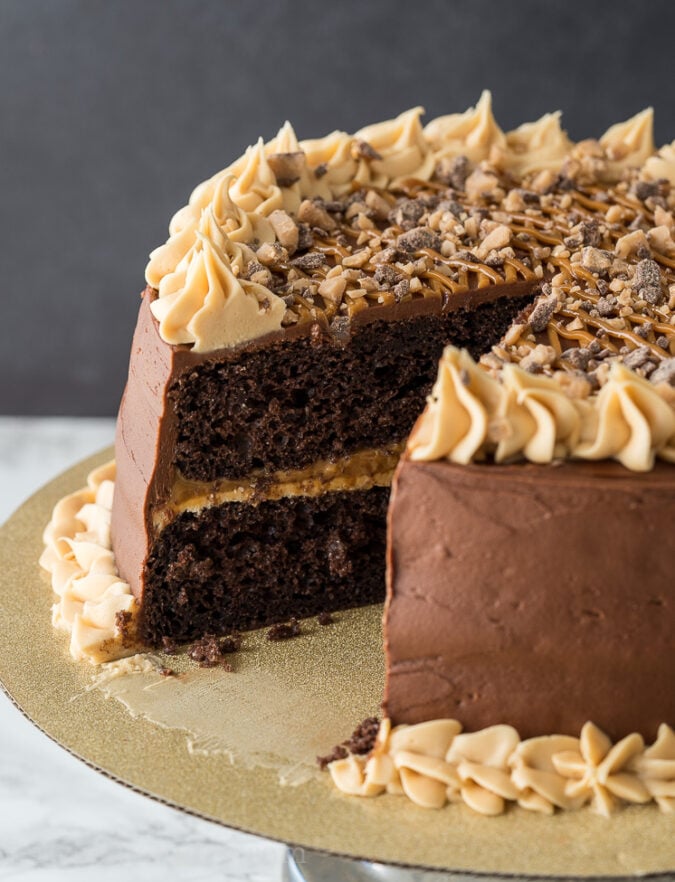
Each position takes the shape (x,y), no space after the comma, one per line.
(255,188)
(629,144)
(206,305)
(402,148)
(537,146)
(472,134)
(95,605)
(471,416)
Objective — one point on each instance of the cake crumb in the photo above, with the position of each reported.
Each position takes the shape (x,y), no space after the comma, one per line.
(284,630)
(325,618)
(123,622)
(339,752)
(210,650)
(169,646)
(361,741)
(363,737)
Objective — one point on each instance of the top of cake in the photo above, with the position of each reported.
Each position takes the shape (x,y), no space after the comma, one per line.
(297,232)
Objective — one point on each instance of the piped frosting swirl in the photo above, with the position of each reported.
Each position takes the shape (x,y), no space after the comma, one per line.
(472,416)
(434,763)
(95,605)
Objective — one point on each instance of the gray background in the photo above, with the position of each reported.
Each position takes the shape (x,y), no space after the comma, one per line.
(112,110)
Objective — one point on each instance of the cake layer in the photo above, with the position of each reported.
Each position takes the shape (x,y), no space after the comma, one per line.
(536,596)
(239,565)
(319,396)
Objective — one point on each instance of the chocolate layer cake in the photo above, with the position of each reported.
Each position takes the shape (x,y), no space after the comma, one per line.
(288,336)
(292,323)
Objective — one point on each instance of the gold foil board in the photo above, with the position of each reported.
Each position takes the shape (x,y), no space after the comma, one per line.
(338,667)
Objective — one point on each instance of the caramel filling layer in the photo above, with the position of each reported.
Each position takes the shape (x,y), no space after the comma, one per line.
(360,471)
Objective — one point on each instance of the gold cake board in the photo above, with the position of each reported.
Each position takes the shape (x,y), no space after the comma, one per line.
(341,666)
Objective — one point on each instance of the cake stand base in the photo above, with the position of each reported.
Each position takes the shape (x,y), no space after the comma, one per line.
(302,865)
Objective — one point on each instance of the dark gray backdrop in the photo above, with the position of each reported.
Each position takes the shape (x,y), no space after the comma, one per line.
(112,110)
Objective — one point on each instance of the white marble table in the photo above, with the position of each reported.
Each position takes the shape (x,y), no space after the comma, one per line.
(59,820)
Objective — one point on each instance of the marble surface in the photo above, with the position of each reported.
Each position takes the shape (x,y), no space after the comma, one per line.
(59,820)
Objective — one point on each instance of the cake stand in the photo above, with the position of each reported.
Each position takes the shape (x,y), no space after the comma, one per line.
(322,683)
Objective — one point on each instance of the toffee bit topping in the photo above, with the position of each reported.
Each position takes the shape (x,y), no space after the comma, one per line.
(308,262)
(578,358)
(644,190)
(363,150)
(285,229)
(361,742)
(287,167)
(542,312)
(665,372)
(284,630)
(638,357)
(596,260)
(313,213)
(386,276)
(407,213)
(420,237)
(453,172)
(647,281)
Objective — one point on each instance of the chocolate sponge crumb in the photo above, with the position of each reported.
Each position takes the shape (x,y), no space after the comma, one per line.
(284,630)
(361,742)
(325,618)
(211,650)
(169,646)
(338,752)
(123,621)
(363,737)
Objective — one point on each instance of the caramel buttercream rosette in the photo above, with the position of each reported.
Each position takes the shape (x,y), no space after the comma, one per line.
(435,763)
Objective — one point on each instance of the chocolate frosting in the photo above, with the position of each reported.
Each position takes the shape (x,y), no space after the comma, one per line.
(538,596)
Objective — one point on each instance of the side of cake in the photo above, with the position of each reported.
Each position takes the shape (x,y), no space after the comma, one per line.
(526,593)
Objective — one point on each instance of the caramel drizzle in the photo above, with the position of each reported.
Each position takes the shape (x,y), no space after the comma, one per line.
(537,233)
